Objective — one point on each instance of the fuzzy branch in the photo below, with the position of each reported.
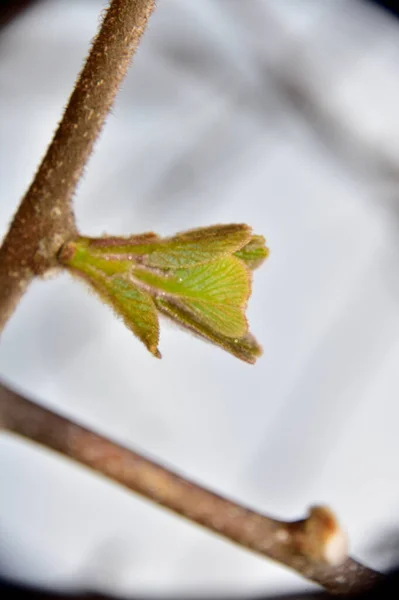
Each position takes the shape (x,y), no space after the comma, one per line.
(44,219)
(314,547)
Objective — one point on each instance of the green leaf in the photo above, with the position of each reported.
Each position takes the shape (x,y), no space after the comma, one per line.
(194,247)
(137,309)
(254,253)
(216,292)
(245,348)
(134,305)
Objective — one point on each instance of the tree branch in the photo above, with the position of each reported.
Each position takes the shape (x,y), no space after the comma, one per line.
(45,220)
(314,547)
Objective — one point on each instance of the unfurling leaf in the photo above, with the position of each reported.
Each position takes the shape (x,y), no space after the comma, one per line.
(194,247)
(200,278)
(133,304)
(137,309)
(246,347)
(254,253)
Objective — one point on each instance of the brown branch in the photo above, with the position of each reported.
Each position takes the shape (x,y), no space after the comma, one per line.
(45,220)
(314,547)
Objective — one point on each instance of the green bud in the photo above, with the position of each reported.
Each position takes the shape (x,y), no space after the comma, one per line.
(200,278)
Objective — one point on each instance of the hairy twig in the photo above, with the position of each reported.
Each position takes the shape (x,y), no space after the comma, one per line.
(314,547)
(45,220)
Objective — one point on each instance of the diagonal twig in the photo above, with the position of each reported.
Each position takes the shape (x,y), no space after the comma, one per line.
(44,219)
(311,546)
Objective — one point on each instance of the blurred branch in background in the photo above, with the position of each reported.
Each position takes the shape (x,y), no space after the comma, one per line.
(304,89)
(285,58)
(315,547)
(295,82)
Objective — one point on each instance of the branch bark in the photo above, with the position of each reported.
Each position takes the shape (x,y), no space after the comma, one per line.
(311,546)
(44,219)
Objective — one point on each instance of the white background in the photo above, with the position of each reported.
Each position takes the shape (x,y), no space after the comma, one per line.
(279,113)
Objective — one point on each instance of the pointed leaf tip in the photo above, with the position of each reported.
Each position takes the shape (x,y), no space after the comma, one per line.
(216,292)
(246,348)
(137,309)
(254,253)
